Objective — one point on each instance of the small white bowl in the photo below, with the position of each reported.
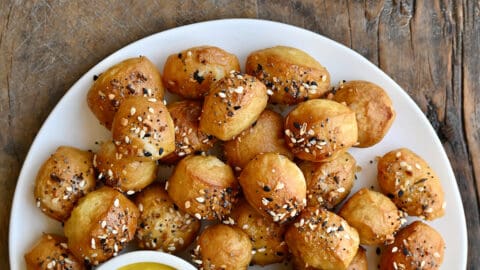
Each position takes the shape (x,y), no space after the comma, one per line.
(146,256)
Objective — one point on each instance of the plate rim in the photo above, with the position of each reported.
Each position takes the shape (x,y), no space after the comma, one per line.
(436,141)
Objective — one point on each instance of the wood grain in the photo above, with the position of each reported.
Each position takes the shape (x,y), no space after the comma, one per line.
(431,48)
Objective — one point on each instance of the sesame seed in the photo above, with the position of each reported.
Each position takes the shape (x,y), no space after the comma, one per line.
(262,249)
(150,109)
(418,166)
(111,96)
(116,203)
(245,226)
(265,201)
(394,249)
(200,199)
(140,207)
(222,94)
(133,111)
(403,164)
(198,216)
(279,186)
(238,90)
(38,203)
(82,183)
(152,99)
(436,255)
(127,139)
(324,78)
(341,190)
(92,243)
(130,192)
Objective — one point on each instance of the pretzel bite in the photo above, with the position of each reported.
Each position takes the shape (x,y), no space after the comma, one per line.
(266,236)
(131,77)
(143,127)
(264,136)
(412,185)
(328,183)
(204,187)
(232,105)
(51,252)
(223,247)
(191,72)
(321,239)
(375,216)
(373,109)
(417,246)
(360,261)
(320,130)
(161,224)
(274,186)
(124,173)
(65,177)
(101,225)
(291,75)
(188,138)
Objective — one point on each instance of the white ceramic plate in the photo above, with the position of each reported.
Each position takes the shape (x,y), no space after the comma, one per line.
(72,123)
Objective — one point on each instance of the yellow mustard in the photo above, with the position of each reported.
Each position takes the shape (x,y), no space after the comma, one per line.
(146,266)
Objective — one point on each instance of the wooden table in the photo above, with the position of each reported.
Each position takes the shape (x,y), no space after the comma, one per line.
(431,48)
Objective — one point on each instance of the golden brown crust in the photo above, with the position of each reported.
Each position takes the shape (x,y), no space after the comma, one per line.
(51,252)
(360,261)
(101,225)
(373,108)
(266,236)
(274,186)
(142,127)
(319,130)
(131,77)
(417,246)
(232,105)
(161,225)
(191,72)
(223,247)
(65,177)
(412,185)
(126,174)
(328,183)
(264,136)
(321,239)
(375,217)
(204,187)
(188,138)
(291,75)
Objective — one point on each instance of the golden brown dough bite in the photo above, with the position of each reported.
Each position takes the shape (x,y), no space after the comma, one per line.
(161,225)
(223,247)
(266,236)
(188,138)
(264,136)
(412,185)
(328,183)
(142,127)
(204,187)
(131,77)
(101,225)
(375,217)
(320,130)
(323,240)
(290,74)
(417,246)
(360,261)
(65,177)
(274,186)
(124,173)
(51,252)
(191,72)
(372,106)
(232,105)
